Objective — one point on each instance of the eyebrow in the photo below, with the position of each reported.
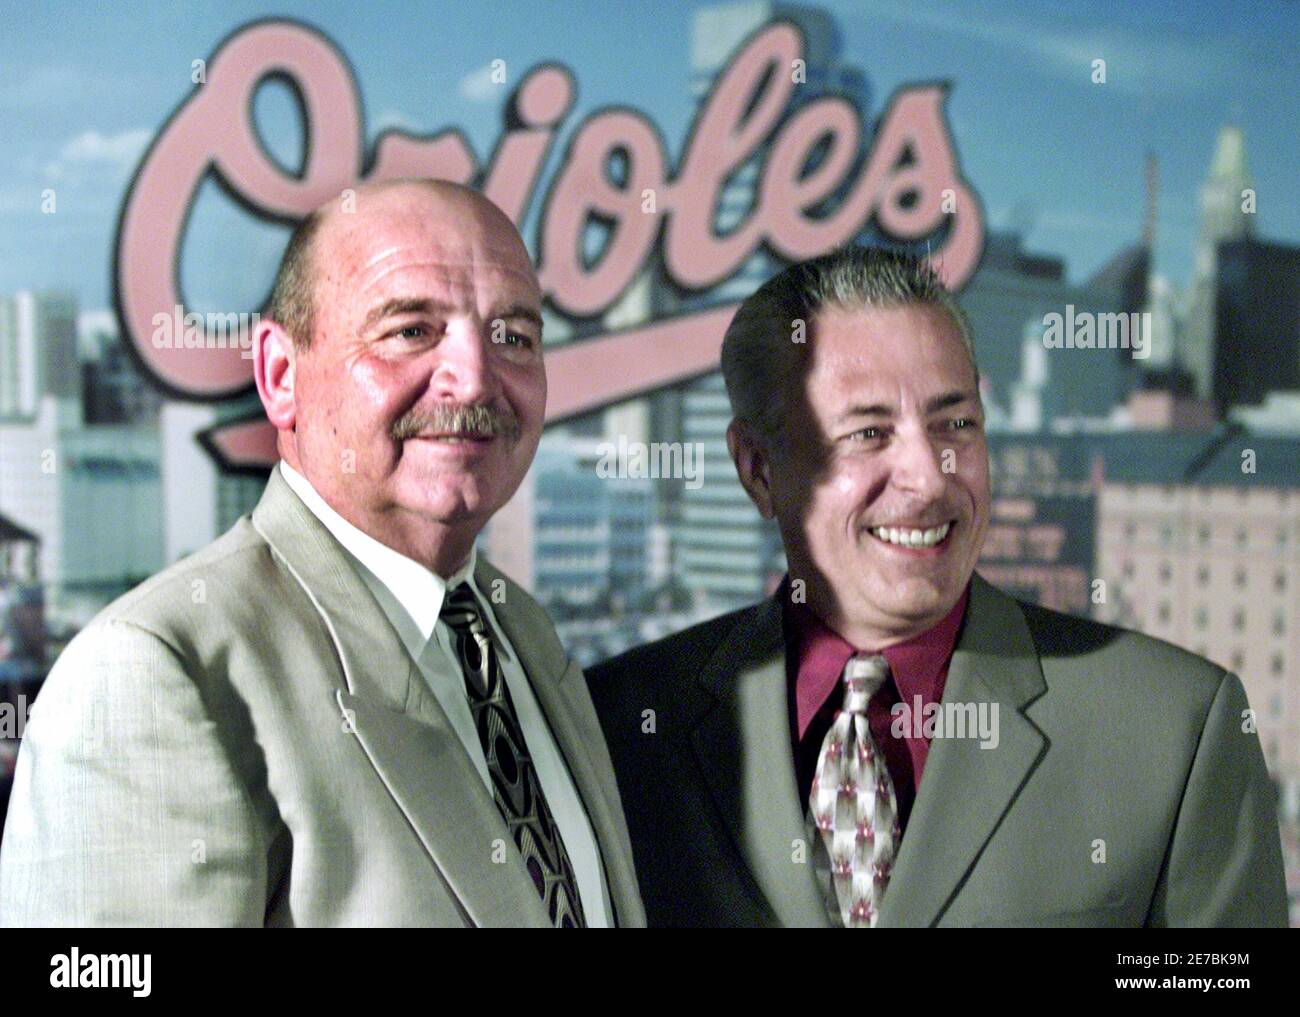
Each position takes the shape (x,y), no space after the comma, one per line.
(419,305)
(521,311)
(937,403)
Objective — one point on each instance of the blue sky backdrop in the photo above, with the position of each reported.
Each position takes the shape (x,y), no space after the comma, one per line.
(84,86)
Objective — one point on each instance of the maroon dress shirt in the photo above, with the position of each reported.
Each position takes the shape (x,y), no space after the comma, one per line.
(815,659)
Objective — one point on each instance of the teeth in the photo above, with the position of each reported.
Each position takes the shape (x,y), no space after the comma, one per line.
(911,538)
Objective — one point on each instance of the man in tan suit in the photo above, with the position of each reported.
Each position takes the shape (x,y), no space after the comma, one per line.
(771,760)
(338,713)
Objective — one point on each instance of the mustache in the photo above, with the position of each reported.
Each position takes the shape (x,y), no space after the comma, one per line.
(480,420)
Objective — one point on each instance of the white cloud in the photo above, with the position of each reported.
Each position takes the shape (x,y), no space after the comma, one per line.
(478,86)
(92,151)
(1135,63)
(120,149)
(393,120)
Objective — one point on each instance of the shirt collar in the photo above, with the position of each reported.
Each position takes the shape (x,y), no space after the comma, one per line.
(916,664)
(418,589)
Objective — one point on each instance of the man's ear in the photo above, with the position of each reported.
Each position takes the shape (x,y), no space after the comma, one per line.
(273,367)
(750,455)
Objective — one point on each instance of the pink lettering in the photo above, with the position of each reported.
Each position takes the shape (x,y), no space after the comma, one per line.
(909,186)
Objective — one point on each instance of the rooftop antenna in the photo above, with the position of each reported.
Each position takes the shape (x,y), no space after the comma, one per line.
(1152,191)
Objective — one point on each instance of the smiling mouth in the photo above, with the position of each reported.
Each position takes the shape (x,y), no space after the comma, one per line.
(907,536)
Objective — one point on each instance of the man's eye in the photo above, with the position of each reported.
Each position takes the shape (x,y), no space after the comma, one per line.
(519,339)
(962,423)
(865,434)
(411,332)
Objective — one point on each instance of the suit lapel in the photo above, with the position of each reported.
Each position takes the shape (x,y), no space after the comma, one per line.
(433,781)
(743,744)
(558,686)
(966,789)
(404,732)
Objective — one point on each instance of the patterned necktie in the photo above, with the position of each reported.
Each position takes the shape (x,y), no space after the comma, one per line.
(515,786)
(852,813)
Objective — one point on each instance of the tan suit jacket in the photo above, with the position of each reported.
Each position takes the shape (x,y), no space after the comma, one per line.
(243,740)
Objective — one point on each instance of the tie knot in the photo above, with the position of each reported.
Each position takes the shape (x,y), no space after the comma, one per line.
(863,676)
(460,609)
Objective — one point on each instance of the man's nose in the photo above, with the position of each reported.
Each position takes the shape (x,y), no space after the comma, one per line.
(462,370)
(918,465)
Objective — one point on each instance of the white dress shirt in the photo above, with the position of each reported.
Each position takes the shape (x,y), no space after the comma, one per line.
(411,597)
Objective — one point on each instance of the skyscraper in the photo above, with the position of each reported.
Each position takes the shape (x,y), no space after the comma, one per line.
(1225,195)
(90,492)
(38,351)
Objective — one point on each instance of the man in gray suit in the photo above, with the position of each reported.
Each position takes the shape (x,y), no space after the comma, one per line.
(338,713)
(771,760)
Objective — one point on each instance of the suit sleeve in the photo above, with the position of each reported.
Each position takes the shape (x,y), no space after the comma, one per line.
(1224,866)
(125,810)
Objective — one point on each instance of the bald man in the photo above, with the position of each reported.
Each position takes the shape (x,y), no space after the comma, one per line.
(339,713)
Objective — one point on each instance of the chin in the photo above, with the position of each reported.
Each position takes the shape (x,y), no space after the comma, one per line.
(448,501)
(917,599)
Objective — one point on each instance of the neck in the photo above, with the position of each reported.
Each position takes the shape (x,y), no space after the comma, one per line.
(440,547)
(868,634)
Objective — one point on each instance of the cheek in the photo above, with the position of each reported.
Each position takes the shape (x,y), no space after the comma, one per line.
(973,474)
(848,486)
(525,389)
(375,392)
(845,489)
(317,396)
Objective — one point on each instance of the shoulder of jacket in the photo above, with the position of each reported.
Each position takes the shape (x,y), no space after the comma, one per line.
(687,650)
(1113,653)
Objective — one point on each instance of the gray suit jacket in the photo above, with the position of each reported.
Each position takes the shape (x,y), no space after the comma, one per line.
(243,740)
(1122,791)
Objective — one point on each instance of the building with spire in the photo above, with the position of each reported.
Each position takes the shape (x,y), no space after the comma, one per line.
(1242,334)
(1223,200)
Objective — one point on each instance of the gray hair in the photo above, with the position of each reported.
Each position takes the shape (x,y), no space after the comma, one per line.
(293,297)
(761,357)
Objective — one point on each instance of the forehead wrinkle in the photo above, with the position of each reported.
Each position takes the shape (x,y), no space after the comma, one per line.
(454,264)
(496,254)
(885,387)
(460,271)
